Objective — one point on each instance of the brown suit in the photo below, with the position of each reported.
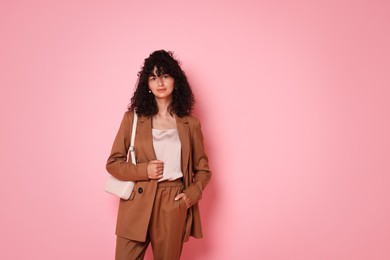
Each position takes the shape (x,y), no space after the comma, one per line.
(134,214)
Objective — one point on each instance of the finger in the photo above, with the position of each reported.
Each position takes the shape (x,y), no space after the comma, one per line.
(157,177)
(158,168)
(180,196)
(157,162)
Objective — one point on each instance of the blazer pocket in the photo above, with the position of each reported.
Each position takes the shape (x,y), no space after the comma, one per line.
(183,205)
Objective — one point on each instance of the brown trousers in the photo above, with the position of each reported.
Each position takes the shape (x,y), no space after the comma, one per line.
(166,227)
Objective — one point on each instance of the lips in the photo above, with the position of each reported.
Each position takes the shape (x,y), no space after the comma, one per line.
(160,90)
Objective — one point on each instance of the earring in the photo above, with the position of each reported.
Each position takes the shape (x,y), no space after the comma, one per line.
(150,91)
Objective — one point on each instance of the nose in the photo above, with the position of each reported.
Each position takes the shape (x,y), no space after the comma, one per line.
(159,81)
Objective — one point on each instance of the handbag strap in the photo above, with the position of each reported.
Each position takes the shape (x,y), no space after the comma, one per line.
(133,130)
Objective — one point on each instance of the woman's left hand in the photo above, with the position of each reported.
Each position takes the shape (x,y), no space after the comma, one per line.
(183,196)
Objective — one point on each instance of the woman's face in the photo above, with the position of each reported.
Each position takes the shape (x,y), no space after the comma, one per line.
(161,86)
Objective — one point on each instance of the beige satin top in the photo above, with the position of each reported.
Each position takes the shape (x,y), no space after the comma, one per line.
(167,147)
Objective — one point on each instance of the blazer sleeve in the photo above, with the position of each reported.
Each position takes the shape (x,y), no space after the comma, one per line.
(200,165)
(117,164)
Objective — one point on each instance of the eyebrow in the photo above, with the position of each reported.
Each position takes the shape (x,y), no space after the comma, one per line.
(162,74)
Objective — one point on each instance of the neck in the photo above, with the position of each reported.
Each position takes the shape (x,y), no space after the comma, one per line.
(162,106)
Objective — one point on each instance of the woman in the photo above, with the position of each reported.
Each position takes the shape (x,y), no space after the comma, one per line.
(172,167)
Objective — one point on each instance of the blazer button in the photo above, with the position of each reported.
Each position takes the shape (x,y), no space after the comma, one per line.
(140,190)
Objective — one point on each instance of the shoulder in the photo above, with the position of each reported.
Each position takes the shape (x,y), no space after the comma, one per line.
(129,115)
(192,121)
(127,118)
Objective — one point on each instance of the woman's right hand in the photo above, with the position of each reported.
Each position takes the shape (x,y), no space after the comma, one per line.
(155,169)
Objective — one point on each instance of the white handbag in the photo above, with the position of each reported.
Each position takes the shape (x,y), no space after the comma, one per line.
(123,189)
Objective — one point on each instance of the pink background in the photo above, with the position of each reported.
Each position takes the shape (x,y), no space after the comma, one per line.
(294,101)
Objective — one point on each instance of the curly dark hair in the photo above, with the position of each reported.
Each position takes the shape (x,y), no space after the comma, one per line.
(182,97)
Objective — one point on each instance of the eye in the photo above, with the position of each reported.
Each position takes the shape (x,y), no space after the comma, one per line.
(152,78)
(165,76)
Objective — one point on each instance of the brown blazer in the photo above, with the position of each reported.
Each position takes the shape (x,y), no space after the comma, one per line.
(134,214)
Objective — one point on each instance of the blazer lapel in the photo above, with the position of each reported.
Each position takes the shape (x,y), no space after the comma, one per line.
(185,139)
(145,133)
